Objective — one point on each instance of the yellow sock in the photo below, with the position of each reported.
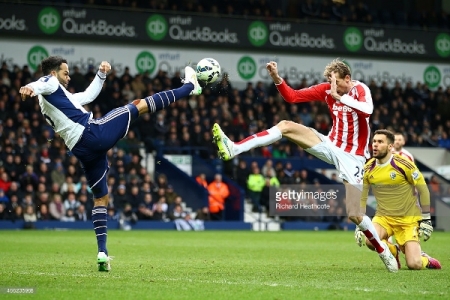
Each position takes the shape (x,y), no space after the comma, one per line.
(424,262)
(392,247)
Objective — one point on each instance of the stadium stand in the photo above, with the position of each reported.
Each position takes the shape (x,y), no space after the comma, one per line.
(27,140)
(34,163)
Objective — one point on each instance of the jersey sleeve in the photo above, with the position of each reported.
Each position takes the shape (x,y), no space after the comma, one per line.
(363,103)
(92,90)
(313,93)
(415,177)
(44,85)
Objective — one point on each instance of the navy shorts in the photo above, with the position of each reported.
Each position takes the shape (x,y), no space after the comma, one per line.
(98,137)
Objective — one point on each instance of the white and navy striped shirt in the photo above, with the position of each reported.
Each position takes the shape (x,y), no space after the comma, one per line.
(63,110)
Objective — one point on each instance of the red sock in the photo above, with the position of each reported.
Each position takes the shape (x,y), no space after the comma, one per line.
(373,241)
(259,134)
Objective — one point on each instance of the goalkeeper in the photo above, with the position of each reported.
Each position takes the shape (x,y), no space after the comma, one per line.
(394,181)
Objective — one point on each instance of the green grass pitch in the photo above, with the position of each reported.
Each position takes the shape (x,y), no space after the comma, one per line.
(212,265)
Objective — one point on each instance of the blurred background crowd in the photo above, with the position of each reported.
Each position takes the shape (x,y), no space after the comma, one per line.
(39,176)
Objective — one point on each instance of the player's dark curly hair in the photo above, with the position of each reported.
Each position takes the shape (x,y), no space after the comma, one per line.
(389,135)
(52,63)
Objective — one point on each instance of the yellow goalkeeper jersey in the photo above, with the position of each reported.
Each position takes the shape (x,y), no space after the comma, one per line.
(393,185)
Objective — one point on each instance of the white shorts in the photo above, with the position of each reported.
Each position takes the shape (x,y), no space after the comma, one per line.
(350,166)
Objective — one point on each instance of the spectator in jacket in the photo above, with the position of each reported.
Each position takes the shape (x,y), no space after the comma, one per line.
(43,213)
(3,198)
(201,179)
(255,185)
(4,215)
(29,215)
(218,192)
(5,182)
(57,209)
(203,214)
(127,217)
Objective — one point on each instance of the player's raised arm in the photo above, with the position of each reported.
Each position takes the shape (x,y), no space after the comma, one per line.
(313,93)
(91,93)
(44,86)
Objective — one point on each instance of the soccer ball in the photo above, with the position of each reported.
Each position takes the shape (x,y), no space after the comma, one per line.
(208,70)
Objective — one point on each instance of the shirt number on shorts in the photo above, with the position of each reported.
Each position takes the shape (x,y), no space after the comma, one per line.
(358,172)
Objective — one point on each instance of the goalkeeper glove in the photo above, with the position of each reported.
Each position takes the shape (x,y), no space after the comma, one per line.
(425,227)
(360,238)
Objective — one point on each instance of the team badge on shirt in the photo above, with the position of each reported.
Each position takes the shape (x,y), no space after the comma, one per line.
(415,174)
(393,175)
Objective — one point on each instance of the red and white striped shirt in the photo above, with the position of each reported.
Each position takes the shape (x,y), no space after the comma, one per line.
(405,153)
(350,131)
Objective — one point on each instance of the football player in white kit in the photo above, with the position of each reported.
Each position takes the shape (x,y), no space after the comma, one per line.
(89,139)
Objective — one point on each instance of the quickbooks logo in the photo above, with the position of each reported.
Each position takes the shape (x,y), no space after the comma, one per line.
(12,23)
(49,20)
(353,39)
(35,55)
(432,77)
(156,27)
(442,44)
(258,33)
(145,61)
(246,67)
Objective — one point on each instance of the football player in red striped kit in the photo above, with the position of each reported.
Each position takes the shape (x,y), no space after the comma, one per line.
(346,146)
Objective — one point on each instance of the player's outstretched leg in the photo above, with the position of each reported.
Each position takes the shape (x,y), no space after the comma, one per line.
(162,100)
(429,262)
(228,149)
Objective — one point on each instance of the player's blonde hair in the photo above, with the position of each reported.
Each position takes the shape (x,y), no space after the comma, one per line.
(339,67)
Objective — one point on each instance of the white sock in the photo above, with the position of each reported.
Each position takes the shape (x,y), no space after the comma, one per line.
(259,139)
(366,224)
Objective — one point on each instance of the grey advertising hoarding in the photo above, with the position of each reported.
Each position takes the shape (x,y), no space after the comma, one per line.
(227,33)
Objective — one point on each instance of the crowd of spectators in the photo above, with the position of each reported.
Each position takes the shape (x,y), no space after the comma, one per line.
(419,14)
(38,174)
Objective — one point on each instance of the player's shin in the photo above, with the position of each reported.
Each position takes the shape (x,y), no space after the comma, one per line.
(99,214)
(162,100)
(259,139)
(369,231)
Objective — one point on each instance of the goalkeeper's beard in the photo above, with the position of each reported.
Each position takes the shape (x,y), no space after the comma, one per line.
(380,154)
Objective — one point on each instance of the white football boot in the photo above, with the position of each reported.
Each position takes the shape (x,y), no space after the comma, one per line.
(191,76)
(103,262)
(388,259)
